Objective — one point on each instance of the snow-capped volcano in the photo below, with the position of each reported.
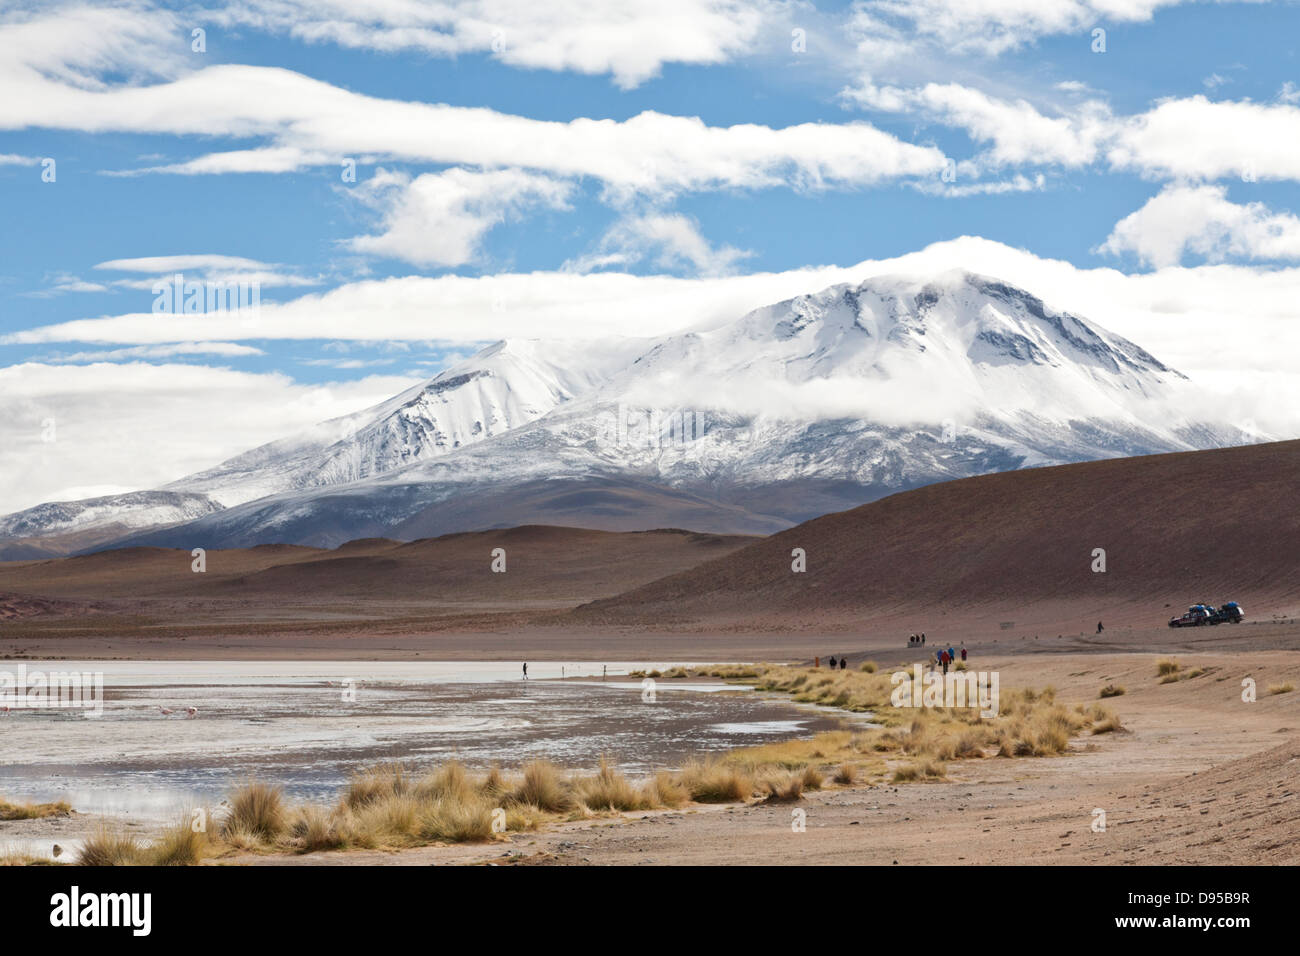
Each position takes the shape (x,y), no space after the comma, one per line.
(810,405)
(503,387)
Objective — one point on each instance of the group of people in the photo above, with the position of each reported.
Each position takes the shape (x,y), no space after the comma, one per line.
(949,656)
(944,658)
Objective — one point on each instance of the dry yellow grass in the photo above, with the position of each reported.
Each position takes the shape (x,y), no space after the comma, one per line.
(388,807)
(920,770)
(108,846)
(544,788)
(610,790)
(1281,688)
(179,845)
(714,782)
(1112,690)
(32,811)
(1166,666)
(256,813)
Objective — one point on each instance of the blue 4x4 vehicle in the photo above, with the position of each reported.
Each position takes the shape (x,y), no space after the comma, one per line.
(1230,613)
(1200,614)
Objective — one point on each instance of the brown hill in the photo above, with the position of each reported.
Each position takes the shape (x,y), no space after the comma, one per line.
(1014,550)
(545,567)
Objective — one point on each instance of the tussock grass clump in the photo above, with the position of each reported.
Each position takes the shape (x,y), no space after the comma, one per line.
(675,673)
(1281,688)
(714,782)
(1112,690)
(1108,725)
(256,812)
(375,784)
(313,828)
(784,790)
(868,667)
(959,666)
(390,820)
(845,774)
(920,770)
(494,783)
(610,790)
(971,744)
(179,845)
(109,846)
(1166,666)
(33,811)
(543,787)
(666,790)
(451,782)
(457,820)
(1195,672)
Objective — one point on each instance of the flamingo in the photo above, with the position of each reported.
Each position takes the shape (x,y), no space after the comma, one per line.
(166,711)
(191,711)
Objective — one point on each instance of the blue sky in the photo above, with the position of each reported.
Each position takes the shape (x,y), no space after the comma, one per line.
(697,157)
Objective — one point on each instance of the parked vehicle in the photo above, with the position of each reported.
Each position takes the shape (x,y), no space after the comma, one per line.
(1230,613)
(1201,614)
(1196,616)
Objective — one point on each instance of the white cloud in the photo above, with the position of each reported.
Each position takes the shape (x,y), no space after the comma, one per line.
(440,219)
(671,241)
(1201,220)
(303,121)
(1170,311)
(222,349)
(1188,138)
(986,27)
(1016,132)
(158,265)
(630,40)
(203,267)
(64,282)
(189,417)
(1195,138)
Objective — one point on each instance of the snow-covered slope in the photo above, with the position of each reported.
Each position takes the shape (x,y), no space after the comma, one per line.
(506,385)
(814,404)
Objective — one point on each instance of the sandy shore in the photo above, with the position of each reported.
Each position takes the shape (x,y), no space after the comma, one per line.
(1200,777)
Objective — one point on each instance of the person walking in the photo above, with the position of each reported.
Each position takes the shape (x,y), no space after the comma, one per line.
(525,670)
(844,663)
(832,662)
(944,660)
(1099,627)
(963,651)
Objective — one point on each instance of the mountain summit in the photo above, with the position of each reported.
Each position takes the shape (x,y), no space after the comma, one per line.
(815,404)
